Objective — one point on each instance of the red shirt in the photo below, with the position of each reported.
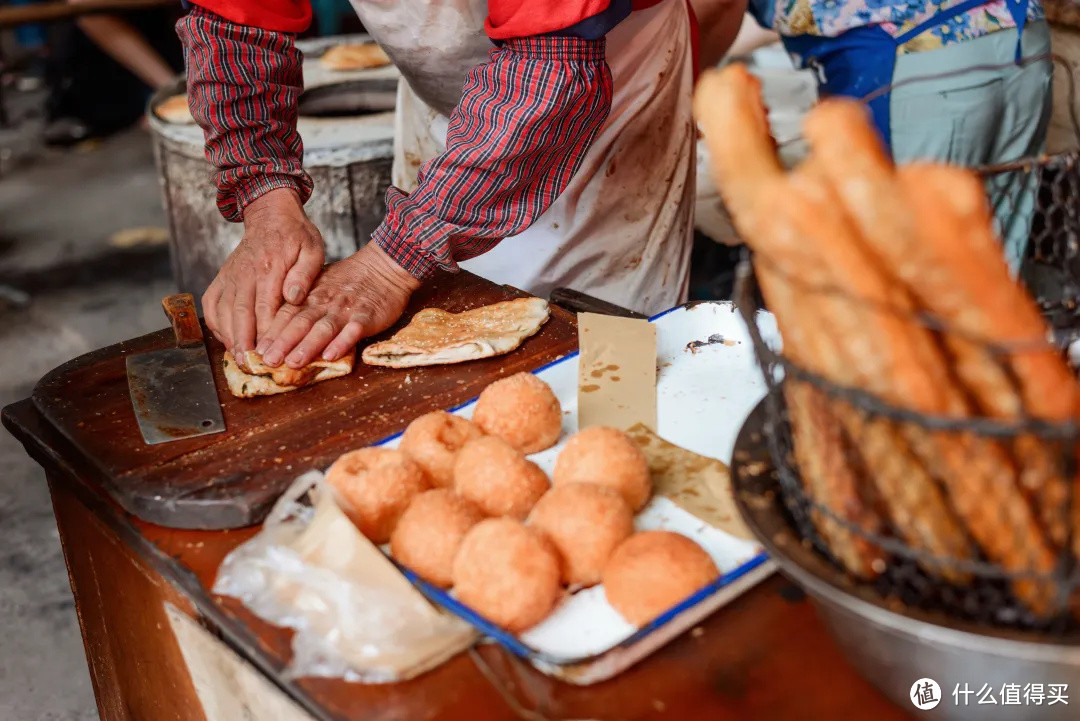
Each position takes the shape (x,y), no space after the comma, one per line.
(510,152)
(506,18)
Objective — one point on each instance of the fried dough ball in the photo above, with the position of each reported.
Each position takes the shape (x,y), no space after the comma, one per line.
(508,573)
(434,439)
(586,522)
(522,410)
(498,478)
(430,533)
(651,572)
(605,456)
(376,486)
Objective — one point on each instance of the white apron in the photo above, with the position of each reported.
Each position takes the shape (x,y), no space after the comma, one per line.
(623,228)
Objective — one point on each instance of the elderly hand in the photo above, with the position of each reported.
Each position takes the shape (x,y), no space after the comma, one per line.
(278,259)
(353,298)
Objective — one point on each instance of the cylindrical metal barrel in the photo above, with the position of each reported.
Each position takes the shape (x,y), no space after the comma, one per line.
(347,124)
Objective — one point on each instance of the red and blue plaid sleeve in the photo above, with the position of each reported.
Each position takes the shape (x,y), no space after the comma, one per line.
(514,142)
(243,84)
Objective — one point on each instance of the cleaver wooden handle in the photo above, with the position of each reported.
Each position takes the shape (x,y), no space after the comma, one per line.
(185,321)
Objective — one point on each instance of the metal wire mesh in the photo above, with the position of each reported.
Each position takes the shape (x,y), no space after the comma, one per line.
(1040,196)
(951,514)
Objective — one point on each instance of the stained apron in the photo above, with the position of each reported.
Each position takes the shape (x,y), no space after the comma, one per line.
(623,228)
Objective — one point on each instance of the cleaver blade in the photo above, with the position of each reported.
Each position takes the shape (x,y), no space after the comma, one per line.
(172,390)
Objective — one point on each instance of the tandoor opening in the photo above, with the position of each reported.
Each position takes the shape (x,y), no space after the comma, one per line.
(349,99)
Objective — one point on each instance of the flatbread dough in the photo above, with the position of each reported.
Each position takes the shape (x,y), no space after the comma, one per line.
(354,57)
(435,337)
(259,379)
(175,110)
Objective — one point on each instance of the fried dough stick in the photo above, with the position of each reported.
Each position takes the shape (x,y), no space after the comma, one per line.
(820,449)
(961,224)
(807,236)
(729,108)
(749,176)
(978,474)
(961,277)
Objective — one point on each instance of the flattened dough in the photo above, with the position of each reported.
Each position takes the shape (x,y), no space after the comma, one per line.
(354,57)
(435,337)
(259,379)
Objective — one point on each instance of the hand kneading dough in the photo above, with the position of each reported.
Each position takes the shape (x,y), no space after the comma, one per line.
(376,485)
(522,410)
(430,532)
(498,478)
(508,573)
(586,522)
(434,439)
(607,457)
(653,571)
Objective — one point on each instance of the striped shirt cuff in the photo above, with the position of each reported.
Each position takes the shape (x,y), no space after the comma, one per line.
(244,192)
(554,47)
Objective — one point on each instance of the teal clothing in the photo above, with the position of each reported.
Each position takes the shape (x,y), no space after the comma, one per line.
(981,117)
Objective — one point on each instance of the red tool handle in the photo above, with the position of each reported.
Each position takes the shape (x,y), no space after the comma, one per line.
(185,321)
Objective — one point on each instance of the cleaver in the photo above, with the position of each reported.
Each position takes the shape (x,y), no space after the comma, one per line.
(172,390)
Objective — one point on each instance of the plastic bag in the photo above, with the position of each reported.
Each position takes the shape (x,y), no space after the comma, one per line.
(355,615)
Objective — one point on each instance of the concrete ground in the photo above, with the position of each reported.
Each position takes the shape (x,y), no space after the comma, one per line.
(57,215)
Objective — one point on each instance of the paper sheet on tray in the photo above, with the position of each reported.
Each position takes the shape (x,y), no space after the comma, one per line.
(616,371)
(698,484)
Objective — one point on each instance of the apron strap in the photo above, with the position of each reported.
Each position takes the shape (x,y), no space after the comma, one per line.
(944,16)
(1019,11)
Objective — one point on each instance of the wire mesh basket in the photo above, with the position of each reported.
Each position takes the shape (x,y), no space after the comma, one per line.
(1040,196)
(964,514)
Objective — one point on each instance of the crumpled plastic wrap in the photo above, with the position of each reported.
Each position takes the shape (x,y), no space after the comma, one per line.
(355,615)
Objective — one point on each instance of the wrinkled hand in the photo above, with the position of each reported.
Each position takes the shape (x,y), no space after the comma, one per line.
(277,260)
(353,298)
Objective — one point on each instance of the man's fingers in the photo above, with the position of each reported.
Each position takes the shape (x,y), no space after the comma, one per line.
(301,276)
(224,315)
(268,296)
(243,315)
(311,346)
(291,334)
(210,306)
(346,340)
(281,321)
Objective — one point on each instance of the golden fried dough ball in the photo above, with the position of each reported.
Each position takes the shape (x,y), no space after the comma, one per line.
(508,573)
(651,572)
(585,522)
(430,533)
(434,439)
(605,456)
(498,478)
(376,485)
(522,410)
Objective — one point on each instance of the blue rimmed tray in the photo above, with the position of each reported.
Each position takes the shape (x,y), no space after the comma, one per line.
(705,389)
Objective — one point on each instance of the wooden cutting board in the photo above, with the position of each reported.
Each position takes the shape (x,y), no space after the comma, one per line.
(231,479)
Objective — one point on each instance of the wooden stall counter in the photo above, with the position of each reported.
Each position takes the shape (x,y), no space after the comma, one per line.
(765,656)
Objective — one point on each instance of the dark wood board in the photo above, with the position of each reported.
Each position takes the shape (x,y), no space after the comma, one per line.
(230,479)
